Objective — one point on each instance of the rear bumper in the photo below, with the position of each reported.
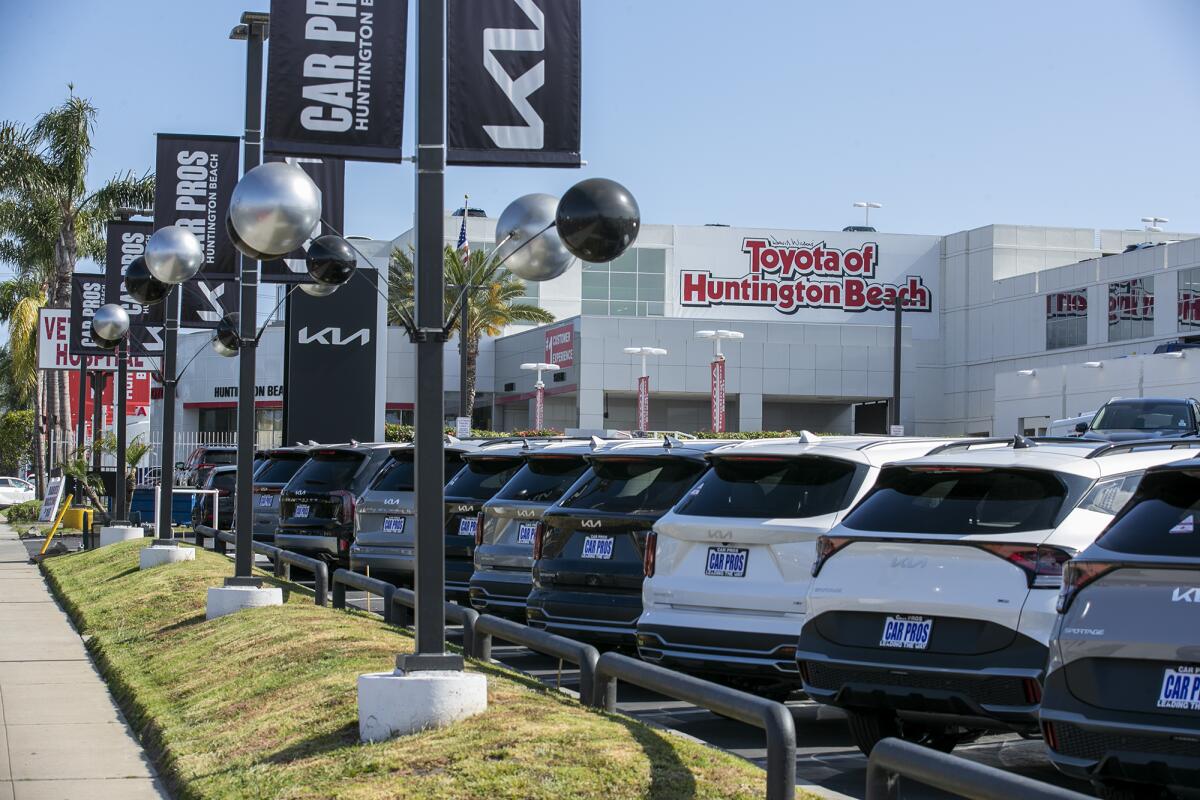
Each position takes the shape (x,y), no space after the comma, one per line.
(307,544)
(734,645)
(992,688)
(502,592)
(1102,744)
(600,617)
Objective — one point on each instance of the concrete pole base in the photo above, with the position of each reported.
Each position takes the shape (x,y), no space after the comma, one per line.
(157,555)
(397,703)
(224,600)
(111,534)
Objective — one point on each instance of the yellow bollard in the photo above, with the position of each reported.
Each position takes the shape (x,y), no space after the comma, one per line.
(58,521)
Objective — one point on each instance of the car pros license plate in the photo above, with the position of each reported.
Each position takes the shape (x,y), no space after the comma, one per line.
(466,526)
(1180,688)
(301,510)
(264,500)
(393,524)
(726,562)
(525,532)
(598,547)
(909,633)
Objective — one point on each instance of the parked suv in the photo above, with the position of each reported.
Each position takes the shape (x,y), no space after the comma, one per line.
(277,468)
(224,481)
(1127,419)
(203,459)
(724,592)
(931,606)
(590,548)
(1122,696)
(384,523)
(504,533)
(316,508)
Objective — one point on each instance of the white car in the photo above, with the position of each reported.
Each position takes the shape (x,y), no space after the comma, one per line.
(724,593)
(14,491)
(931,605)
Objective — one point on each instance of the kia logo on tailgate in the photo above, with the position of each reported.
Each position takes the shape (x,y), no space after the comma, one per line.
(590,523)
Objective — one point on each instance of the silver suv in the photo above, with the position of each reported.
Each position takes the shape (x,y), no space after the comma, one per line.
(278,467)
(1121,705)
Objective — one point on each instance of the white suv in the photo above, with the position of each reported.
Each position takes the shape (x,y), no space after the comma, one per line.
(932,603)
(724,594)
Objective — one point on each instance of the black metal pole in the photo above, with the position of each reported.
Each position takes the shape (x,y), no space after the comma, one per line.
(80,418)
(464,325)
(896,361)
(98,382)
(430,275)
(251,153)
(166,484)
(119,501)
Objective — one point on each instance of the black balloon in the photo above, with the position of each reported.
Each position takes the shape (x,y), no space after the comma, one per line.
(597,220)
(142,286)
(331,260)
(227,330)
(242,247)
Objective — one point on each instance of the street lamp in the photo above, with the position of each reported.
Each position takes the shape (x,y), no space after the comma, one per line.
(643,387)
(539,405)
(866,206)
(1153,224)
(717,371)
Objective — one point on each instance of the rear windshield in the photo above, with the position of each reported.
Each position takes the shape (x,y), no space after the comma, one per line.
(325,473)
(482,477)
(543,480)
(398,474)
(634,486)
(959,500)
(219,457)
(1143,415)
(1161,520)
(771,487)
(279,469)
(224,480)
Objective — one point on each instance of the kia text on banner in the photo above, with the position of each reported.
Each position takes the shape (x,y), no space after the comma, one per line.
(126,241)
(718,395)
(329,174)
(194,180)
(335,78)
(87,295)
(54,349)
(512,82)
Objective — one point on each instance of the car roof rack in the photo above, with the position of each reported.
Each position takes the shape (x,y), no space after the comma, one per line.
(1016,442)
(1117,448)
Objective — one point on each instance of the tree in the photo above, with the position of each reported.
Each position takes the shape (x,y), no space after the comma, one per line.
(492,296)
(16,439)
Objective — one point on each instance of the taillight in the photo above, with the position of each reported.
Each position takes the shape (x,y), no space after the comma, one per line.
(479,529)
(539,533)
(649,556)
(1033,691)
(1049,734)
(826,547)
(1077,575)
(1042,565)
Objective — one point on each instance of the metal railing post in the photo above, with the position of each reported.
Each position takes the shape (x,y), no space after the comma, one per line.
(339,592)
(321,584)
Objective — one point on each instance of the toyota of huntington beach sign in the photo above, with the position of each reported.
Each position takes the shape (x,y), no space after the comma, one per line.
(788,276)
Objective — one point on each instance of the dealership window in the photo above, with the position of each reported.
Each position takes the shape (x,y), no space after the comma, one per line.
(633,285)
(269,424)
(1130,309)
(1189,299)
(218,420)
(399,416)
(1066,319)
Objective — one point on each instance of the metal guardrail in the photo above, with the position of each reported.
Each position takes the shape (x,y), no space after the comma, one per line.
(284,560)
(581,655)
(892,758)
(405,602)
(342,578)
(772,717)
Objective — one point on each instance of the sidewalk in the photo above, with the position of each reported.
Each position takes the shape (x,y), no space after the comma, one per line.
(61,735)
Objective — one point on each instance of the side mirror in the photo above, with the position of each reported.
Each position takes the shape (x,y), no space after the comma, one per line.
(1081,427)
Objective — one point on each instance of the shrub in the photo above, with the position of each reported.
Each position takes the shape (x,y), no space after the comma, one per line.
(23,512)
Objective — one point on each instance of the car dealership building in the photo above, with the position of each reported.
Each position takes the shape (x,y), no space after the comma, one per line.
(999,327)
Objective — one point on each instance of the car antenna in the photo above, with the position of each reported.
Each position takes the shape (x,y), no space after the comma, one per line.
(354,442)
(669,442)
(524,443)
(1020,442)
(312,443)
(597,442)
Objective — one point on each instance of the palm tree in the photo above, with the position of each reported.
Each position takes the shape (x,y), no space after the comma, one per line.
(491,297)
(20,300)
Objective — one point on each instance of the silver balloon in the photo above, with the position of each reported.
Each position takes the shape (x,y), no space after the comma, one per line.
(110,322)
(274,208)
(531,256)
(223,349)
(319,289)
(174,254)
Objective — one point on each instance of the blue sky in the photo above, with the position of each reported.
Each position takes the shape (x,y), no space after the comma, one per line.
(765,112)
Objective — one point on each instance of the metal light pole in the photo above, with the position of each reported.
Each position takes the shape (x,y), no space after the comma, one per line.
(643,393)
(166,476)
(81,419)
(717,371)
(901,298)
(539,404)
(866,206)
(253,29)
(120,513)
(1154,224)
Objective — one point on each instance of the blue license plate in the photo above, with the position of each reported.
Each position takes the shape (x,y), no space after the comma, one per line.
(393,524)
(906,632)
(726,562)
(525,532)
(598,547)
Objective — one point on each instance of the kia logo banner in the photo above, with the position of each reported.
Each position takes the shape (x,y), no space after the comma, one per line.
(335,78)
(126,241)
(194,179)
(512,82)
(329,174)
(87,295)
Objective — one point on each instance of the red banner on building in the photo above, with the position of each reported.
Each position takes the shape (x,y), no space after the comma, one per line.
(560,346)
(643,403)
(718,395)
(137,398)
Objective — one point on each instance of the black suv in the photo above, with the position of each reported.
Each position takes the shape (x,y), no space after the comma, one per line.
(203,459)
(316,508)
(224,481)
(590,546)
(1132,418)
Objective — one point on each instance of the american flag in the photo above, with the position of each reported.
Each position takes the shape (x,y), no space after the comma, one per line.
(464,249)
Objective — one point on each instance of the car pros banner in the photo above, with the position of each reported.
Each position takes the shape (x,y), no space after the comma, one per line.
(126,241)
(194,179)
(87,295)
(335,78)
(329,174)
(512,82)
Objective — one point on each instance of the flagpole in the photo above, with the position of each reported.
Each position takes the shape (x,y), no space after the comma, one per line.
(464,324)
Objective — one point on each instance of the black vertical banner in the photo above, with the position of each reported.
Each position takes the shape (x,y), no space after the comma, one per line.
(512,82)
(335,78)
(125,242)
(329,174)
(87,295)
(331,370)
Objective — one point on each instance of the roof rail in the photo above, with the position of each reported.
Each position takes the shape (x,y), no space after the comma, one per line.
(1116,448)
(967,444)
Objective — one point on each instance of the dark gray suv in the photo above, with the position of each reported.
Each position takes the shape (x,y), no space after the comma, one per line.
(1121,703)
